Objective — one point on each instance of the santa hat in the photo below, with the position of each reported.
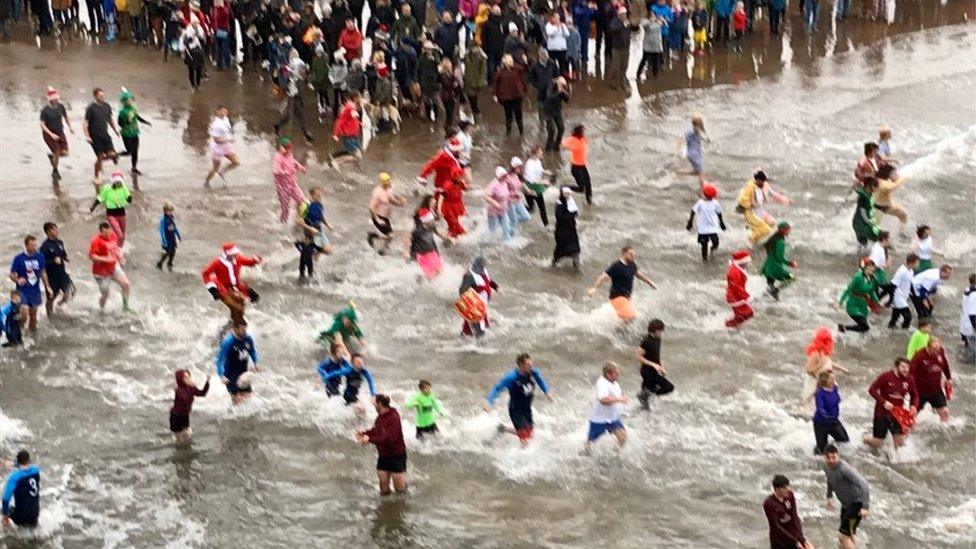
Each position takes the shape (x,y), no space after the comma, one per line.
(741,257)
(230,249)
(52,93)
(500,172)
(426,216)
(117,176)
(454,144)
(382,70)
(709,191)
(517,162)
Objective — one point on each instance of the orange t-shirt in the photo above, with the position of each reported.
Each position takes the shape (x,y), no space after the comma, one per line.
(577,150)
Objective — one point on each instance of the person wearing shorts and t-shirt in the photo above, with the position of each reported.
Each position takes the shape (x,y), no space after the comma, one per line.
(98,118)
(55,267)
(27,271)
(106,256)
(852,492)
(621,274)
(221,145)
(387,436)
(53,118)
(605,417)
(889,391)
(520,383)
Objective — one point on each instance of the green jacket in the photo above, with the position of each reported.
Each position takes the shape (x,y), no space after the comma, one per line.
(860,291)
(775,266)
(319,74)
(865,224)
(475,73)
(405,27)
(128,121)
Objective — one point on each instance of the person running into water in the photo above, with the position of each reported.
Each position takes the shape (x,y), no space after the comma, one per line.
(920,338)
(852,492)
(785,527)
(355,372)
(11,320)
(537,180)
(929,365)
(736,294)
(517,212)
(55,261)
(53,119)
(566,234)
(922,247)
(621,275)
(826,415)
(238,356)
(381,202)
(221,146)
(901,284)
(693,149)
(222,278)
(169,236)
(106,258)
(605,417)
(924,285)
(179,414)
(820,359)
(752,202)
(576,144)
(652,371)
(115,197)
(865,224)
(311,219)
(129,120)
(345,329)
(967,322)
(428,409)
(520,383)
(477,279)
(98,118)
(347,131)
(890,390)
(338,358)
(387,436)
(28,271)
(882,263)
(776,267)
(286,168)
(868,164)
(859,299)
(888,183)
(421,246)
(23,488)
(709,220)
(496,197)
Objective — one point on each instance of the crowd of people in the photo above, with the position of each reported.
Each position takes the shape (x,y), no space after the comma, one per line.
(316,43)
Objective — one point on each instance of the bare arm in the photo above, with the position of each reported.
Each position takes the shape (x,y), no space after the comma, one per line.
(646,279)
(600,281)
(645,362)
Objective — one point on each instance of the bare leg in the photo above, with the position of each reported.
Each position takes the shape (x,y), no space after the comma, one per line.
(213,171)
(621,435)
(943,413)
(384,481)
(400,482)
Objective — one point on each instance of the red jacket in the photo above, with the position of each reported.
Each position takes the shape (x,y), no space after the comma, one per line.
(509,84)
(927,369)
(735,292)
(891,387)
(739,21)
(223,274)
(387,434)
(445,168)
(220,18)
(352,41)
(347,125)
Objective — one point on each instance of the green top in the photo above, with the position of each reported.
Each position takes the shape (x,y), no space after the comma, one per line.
(128,120)
(776,263)
(864,222)
(919,341)
(319,76)
(537,188)
(428,408)
(114,198)
(859,291)
(338,327)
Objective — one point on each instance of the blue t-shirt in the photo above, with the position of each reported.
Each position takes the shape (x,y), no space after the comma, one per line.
(621,278)
(315,214)
(29,267)
(693,144)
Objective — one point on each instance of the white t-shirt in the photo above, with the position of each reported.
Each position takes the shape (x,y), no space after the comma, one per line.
(928,280)
(532,171)
(878,255)
(968,309)
(707,212)
(221,128)
(925,248)
(903,285)
(606,413)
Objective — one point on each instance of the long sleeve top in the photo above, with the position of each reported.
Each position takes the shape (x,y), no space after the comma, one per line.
(849,486)
(387,434)
(348,370)
(509,382)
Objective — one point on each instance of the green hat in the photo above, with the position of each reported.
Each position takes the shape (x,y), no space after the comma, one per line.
(126,96)
(784,224)
(284,141)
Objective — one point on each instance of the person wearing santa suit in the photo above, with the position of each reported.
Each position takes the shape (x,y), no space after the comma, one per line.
(450,202)
(445,165)
(735,293)
(477,278)
(223,280)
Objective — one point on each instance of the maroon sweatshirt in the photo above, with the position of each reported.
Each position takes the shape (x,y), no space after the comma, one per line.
(184,394)
(891,387)
(387,434)
(785,529)
(927,369)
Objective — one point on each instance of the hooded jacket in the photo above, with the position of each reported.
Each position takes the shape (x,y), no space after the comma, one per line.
(185,393)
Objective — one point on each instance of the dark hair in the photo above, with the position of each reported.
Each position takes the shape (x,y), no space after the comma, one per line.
(464,124)
(450,132)
(921,229)
(334,347)
(577,130)
(104,225)
(242,323)
(49,225)
(911,258)
(883,235)
(354,356)
(96,90)
(870,182)
(23,457)
(29,238)
(780,481)
(423,383)
(626,249)
(924,322)
(885,171)
(830,449)
(901,360)
(972,279)
(870,148)
(655,325)
(522,358)
(384,400)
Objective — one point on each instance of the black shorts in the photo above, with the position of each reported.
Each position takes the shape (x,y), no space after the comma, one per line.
(179,422)
(704,239)
(937,400)
(426,431)
(382,224)
(395,464)
(521,419)
(850,519)
(102,145)
(883,425)
(60,284)
(233,389)
(25,520)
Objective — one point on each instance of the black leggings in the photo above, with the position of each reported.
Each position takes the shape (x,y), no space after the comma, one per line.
(306,251)
(583,184)
(922,308)
(168,254)
(656,60)
(906,315)
(555,127)
(195,73)
(832,428)
(96,18)
(860,324)
(654,382)
(132,149)
(886,290)
(530,203)
(704,240)
(513,110)
(473,103)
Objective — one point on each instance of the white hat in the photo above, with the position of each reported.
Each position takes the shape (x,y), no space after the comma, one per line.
(517,162)
(500,172)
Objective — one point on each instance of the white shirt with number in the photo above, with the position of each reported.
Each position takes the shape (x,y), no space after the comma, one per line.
(606,413)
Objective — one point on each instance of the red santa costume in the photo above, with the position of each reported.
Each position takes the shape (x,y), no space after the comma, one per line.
(735,293)
(223,275)
(452,207)
(444,165)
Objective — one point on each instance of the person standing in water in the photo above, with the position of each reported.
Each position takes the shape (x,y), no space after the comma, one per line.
(882,262)
(520,383)
(477,278)
(428,409)
(929,366)
(785,527)
(221,145)
(179,414)
(576,144)
(693,148)
(55,262)
(129,120)
(345,329)
(28,271)
(53,118)
(922,247)
(387,436)
(106,258)
(736,293)
(865,224)
(890,390)
(752,202)
(338,358)
(23,487)
(776,267)
(859,299)
(652,371)
(605,417)
(566,235)
(967,322)
(852,492)
(237,356)
(169,237)
(621,275)
(924,285)
(98,118)
(421,246)
(920,338)
(709,220)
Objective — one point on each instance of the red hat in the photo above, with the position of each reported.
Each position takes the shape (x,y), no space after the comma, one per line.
(230,248)
(382,70)
(425,215)
(741,256)
(709,191)
(454,144)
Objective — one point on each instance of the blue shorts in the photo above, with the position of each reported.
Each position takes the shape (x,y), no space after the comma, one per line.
(31,299)
(351,144)
(597,429)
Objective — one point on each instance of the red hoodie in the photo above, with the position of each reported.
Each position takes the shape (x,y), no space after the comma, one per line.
(347,125)
(927,369)
(387,434)
(184,395)
(445,167)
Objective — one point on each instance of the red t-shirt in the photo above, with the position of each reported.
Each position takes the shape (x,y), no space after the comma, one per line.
(891,387)
(784,523)
(927,369)
(104,247)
